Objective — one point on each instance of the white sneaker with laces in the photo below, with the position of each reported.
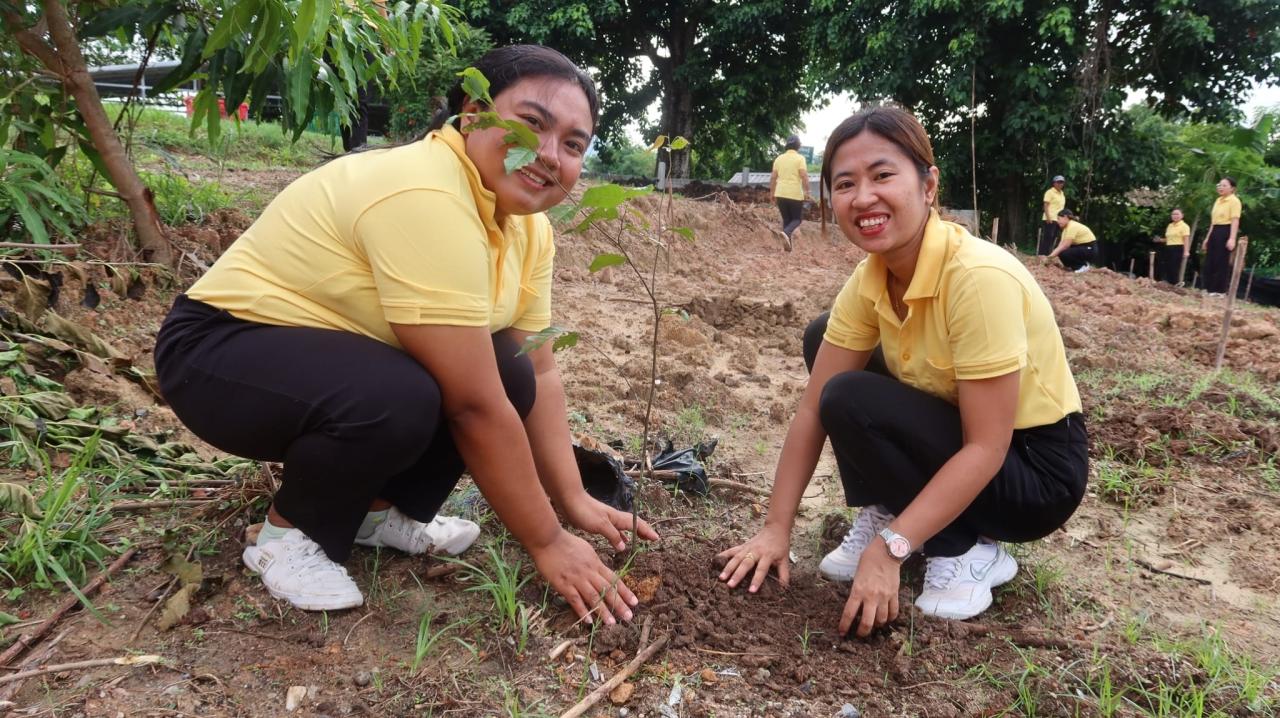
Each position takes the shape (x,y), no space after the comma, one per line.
(842,563)
(444,534)
(959,587)
(1083,268)
(297,570)
(784,238)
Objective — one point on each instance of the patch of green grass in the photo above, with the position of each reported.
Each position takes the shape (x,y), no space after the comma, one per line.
(689,425)
(243,145)
(1129,485)
(501,580)
(181,201)
(427,638)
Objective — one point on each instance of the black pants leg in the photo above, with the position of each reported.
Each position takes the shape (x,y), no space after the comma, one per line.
(1217,260)
(890,439)
(1077,256)
(1049,234)
(352,419)
(792,212)
(1172,263)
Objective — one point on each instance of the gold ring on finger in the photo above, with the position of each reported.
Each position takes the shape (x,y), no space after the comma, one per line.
(749,556)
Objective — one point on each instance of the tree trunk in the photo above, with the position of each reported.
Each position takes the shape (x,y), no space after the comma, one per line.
(677,96)
(1014,217)
(64,59)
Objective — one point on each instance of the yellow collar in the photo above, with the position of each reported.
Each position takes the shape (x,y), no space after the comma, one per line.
(486,201)
(925,282)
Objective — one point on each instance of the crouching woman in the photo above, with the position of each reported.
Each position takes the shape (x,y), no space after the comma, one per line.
(941,380)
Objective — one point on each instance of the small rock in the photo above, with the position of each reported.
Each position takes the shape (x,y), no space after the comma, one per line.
(362,679)
(624,712)
(622,693)
(709,676)
(761,675)
(293,698)
(848,711)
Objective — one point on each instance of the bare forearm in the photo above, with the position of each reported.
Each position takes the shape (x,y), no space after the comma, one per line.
(949,492)
(548,429)
(1062,247)
(800,453)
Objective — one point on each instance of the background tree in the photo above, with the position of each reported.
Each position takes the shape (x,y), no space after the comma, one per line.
(1049,77)
(727,75)
(314,53)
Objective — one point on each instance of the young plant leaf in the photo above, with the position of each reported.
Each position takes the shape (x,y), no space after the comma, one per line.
(658,143)
(518,157)
(476,85)
(679,143)
(605,260)
(684,232)
(562,213)
(559,337)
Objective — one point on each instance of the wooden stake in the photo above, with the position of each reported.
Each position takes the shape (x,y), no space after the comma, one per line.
(25,245)
(1151,266)
(585,704)
(1242,246)
(1182,267)
(94,663)
(995,230)
(1248,287)
(1132,261)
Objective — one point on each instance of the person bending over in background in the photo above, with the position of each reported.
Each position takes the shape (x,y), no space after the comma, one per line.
(365,329)
(1225,219)
(1078,248)
(789,186)
(941,380)
(1177,247)
(1054,202)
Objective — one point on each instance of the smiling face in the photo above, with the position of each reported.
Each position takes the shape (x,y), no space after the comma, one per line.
(1063,220)
(1225,188)
(879,198)
(1175,216)
(1058,185)
(557,111)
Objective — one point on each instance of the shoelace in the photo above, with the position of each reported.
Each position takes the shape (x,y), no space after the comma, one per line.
(864,528)
(313,557)
(939,572)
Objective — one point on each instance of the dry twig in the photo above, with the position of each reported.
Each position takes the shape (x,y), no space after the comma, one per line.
(585,704)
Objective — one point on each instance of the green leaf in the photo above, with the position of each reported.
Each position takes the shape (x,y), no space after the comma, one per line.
(519,134)
(563,339)
(658,143)
(476,85)
(518,157)
(562,213)
(685,232)
(191,57)
(609,196)
(31,219)
(604,260)
(679,143)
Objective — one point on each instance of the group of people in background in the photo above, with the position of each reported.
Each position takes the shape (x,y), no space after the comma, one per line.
(1065,237)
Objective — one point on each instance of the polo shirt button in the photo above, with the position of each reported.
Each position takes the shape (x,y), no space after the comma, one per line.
(906,357)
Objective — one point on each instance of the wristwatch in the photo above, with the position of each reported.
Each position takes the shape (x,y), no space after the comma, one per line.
(897,544)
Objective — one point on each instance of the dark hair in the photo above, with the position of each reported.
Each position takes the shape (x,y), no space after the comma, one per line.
(505,66)
(793,142)
(1230,180)
(1066,213)
(893,124)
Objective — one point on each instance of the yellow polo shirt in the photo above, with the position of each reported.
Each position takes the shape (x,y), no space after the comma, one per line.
(974,312)
(1176,234)
(1078,233)
(1057,200)
(1226,209)
(403,235)
(790,165)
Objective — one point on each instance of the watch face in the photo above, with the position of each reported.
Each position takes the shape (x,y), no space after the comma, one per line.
(899,548)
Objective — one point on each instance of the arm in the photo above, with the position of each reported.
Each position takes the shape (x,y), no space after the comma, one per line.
(1045,212)
(773,182)
(800,453)
(804,182)
(1063,244)
(1231,238)
(547,427)
(496,449)
(987,411)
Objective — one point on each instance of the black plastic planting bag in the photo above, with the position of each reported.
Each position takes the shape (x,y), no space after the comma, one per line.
(691,476)
(603,476)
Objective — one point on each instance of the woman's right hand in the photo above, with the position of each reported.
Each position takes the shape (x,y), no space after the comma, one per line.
(575,571)
(770,547)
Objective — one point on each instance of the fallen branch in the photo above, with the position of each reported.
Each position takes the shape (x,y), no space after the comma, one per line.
(27,245)
(40,655)
(25,641)
(644,632)
(167,504)
(80,665)
(1026,638)
(585,704)
(736,486)
(441,570)
(1153,569)
(563,646)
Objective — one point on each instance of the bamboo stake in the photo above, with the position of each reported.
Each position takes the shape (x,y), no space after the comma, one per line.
(1132,261)
(1151,266)
(995,231)
(93,663)
(26,245)
(1248,287)
(585,704)
(1182,267)
(1242,245)
(26,640)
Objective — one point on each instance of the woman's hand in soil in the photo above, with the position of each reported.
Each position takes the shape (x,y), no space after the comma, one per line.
(574,570)
(770,547)
(588,514)
(873,598)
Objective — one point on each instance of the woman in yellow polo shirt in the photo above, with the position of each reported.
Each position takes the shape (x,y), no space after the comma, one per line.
(1225,219)
(789,186)
(1177,247)
(941,380)
(365,329)
(1078,248)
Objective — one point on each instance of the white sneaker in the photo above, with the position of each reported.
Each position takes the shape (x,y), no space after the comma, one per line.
(842,563)
(296,569)
(1083,268)
(959,587)
(784,237)
(445,534)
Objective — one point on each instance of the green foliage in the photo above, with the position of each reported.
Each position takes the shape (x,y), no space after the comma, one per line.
(560,339)
(625,159)
(501,582)
(33,194)
(180,201)
(416,97)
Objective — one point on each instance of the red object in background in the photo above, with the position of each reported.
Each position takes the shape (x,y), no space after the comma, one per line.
(242,110)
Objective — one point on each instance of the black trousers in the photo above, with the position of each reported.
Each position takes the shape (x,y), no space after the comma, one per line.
(352,419)
(890,439)
(1049,234)
(1169,263)
(792,211)
(1217,260)
(1078,255)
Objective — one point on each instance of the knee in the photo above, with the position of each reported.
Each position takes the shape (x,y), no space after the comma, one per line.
(813,338)
(843,394)
(394,418)
(516,371)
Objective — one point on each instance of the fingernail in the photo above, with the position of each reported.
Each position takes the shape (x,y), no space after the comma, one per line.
(622,545)
(634,602)
(627,615)
(610,621)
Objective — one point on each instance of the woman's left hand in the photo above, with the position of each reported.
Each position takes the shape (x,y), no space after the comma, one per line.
(874,592)
(1231,245)
(589,514)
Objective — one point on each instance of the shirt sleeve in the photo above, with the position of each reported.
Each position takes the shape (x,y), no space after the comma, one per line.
(1234,212)
(1048,196)
(986,316)
(429,255)
(853,324)
(537,313)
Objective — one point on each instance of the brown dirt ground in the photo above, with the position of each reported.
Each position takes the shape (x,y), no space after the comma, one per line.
(1184,481)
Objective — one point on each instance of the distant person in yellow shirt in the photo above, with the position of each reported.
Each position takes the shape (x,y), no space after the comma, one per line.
(1225,219)
(1078,248)
(365,331)
(1055,200)
(789,187)
(942,382)
(1177,247)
